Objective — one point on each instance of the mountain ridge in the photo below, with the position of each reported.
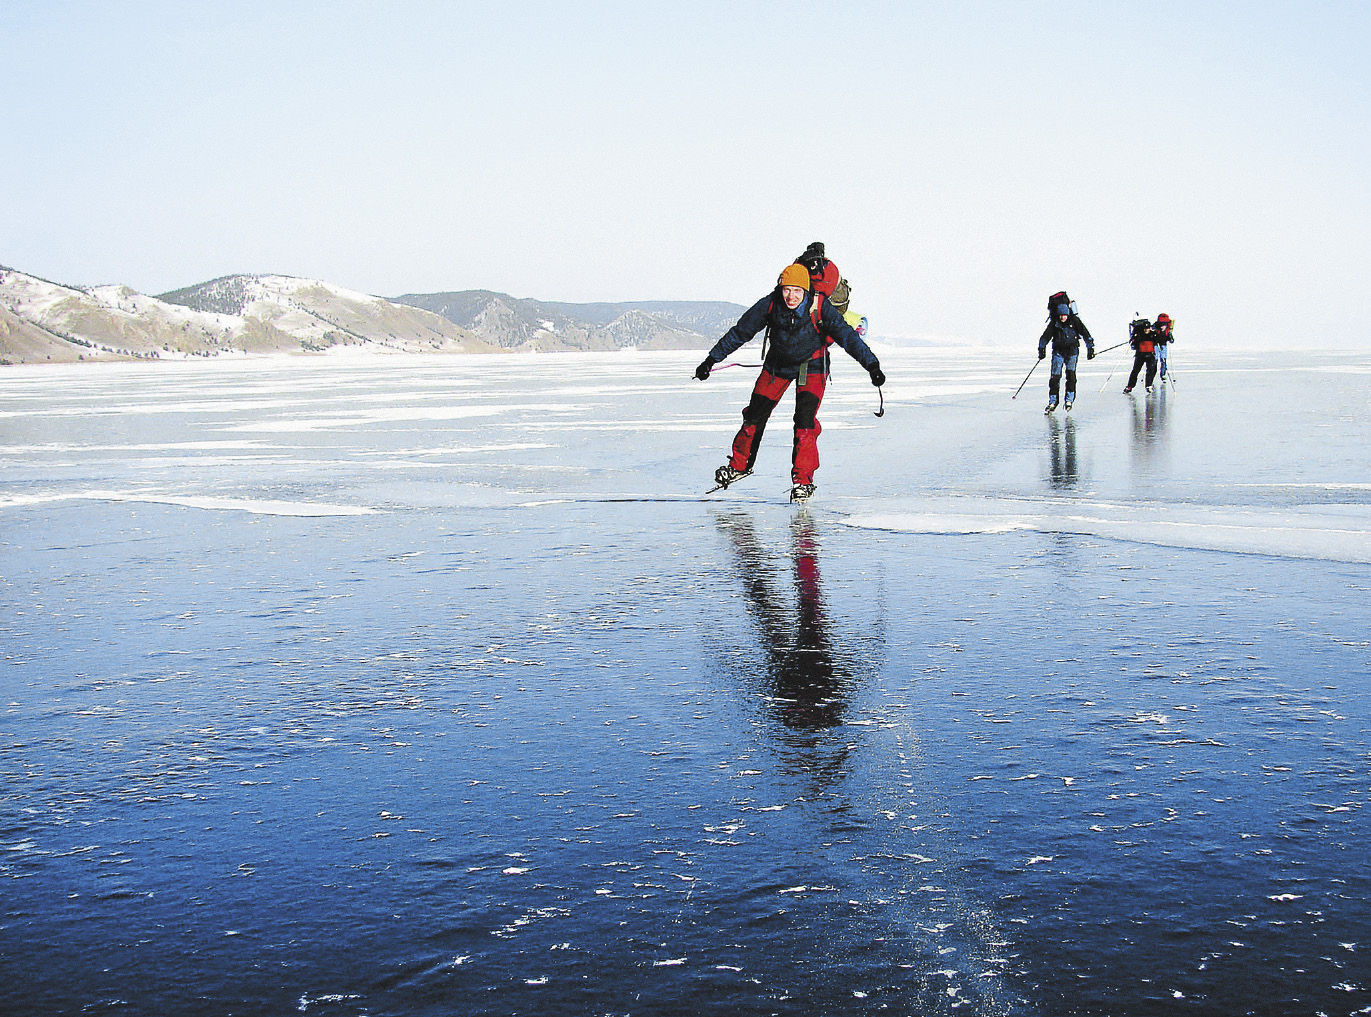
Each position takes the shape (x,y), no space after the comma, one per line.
(707,319)
(42,321)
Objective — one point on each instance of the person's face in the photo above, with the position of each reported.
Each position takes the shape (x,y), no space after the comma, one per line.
(793,296)
(1062,318)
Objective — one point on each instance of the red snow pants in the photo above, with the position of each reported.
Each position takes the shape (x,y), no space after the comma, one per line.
(804,457)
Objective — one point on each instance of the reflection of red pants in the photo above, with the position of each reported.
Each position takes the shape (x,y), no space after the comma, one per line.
(804,458)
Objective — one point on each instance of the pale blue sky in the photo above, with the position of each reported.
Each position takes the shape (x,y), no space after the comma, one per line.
(961,160)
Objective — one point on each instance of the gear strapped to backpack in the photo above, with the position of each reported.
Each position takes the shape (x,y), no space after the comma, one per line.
(842,296)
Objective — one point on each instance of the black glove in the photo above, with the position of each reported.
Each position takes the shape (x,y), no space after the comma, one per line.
(706,365)
(877,376)
(1042,354)
(1090,353)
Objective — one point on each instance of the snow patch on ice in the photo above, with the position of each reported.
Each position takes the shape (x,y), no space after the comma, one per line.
(1336,532)
(451,450)
(396,415)
(257,506)
(67,448)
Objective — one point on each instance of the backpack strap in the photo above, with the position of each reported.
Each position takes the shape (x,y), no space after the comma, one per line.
(817,317)
(816,312)
(766,336)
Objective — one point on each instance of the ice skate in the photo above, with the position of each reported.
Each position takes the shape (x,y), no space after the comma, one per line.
(726,475)
(801,492)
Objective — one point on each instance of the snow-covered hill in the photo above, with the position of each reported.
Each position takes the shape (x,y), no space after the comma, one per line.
(319,315)
(43,321)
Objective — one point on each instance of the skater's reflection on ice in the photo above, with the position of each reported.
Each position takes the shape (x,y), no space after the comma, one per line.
(1149,428)
(808,680)
(1061,448)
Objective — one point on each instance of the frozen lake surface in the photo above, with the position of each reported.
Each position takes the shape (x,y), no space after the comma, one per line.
(436,686)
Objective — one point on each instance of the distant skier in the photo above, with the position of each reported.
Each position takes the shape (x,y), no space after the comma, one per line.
(1142,338)
(800,326)
(1066,348)
(1164,336)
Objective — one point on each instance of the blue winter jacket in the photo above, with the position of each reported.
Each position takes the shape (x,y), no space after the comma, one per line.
(1066,341)
(794,339)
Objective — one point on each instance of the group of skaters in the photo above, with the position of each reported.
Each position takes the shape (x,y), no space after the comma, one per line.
(808,311)
(1065,332)
(1149,340)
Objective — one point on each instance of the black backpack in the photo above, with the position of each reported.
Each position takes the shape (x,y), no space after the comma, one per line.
(1056,300)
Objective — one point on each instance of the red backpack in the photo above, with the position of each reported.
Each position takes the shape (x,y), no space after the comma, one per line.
(825,281)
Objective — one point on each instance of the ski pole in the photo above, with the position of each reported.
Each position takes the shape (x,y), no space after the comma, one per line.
(1026,377)
(1112,369)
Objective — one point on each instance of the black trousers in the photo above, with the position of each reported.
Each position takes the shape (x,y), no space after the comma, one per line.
(1139,359)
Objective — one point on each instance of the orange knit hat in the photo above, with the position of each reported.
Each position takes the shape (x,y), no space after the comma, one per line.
(795,275)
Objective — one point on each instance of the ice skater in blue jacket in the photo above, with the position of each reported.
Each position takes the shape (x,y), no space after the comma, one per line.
(1066,348)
